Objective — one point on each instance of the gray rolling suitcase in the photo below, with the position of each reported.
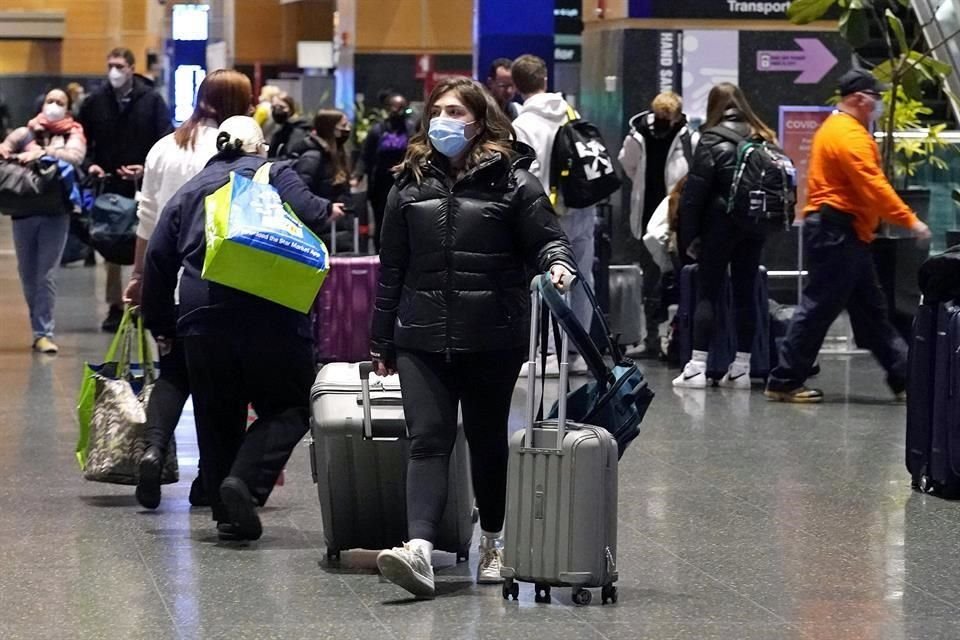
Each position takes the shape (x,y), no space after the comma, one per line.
(359,461)
(561,525)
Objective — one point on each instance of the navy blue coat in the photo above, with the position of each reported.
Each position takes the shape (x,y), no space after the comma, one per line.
(208,308)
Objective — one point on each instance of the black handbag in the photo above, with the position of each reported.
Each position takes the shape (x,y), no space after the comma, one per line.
(113,227)
(31,189)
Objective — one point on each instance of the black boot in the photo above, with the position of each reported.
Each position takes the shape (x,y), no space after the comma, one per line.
(198,493)
(242,508)
(148,488)
(112,322)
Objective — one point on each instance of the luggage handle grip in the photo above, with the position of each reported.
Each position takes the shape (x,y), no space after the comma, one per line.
(365,369)
(535,311)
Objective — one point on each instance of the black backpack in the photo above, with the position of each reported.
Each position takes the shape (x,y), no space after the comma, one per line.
(764,187)
(581,167)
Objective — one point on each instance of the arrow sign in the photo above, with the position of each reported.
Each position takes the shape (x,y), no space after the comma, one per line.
(813,59)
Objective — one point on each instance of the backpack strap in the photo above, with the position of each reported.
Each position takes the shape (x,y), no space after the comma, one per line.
(727,134)
(262,176)
(555,172)
(687,146)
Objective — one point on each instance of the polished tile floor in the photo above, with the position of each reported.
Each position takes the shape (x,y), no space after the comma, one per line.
(739,520)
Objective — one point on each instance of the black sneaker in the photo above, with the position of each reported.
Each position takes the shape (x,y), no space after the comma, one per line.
(148,487)
(112,321)
(242,508)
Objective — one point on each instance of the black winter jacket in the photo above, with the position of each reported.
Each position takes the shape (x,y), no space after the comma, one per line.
(118,137)
(313,162)
(708,183)
(454,258)
(288,137)
(208,308)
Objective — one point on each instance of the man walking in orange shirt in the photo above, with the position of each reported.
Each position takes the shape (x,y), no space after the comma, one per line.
(848,197)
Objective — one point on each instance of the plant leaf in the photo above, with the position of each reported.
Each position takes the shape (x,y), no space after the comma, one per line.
(937,68)
(911,83)
(806,11)
(896,25)
(883,72)
(854,26)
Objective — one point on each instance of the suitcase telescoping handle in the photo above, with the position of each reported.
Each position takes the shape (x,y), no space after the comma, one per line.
(356,236)
(365,369)
(535,313)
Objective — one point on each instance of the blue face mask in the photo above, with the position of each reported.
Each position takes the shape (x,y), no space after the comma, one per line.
(878,110)
(448,136)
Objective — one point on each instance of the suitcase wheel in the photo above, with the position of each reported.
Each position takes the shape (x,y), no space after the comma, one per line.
(581,597)
(609,594)
(925,485)
(511,589)
(542,592)
(333,555)
(463,554)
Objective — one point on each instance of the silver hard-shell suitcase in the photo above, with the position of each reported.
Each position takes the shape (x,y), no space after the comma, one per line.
(561,525)
(359,459)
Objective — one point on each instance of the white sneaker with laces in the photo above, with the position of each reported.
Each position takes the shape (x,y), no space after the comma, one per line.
(408,567)
(736,377)
(693,376)
(491,561)
(576,366)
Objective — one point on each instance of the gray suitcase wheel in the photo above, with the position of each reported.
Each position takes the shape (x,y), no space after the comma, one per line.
(609,594)
(542,593)
(463,554)
(333,555)
(511,589)
(581,597)
(925,485)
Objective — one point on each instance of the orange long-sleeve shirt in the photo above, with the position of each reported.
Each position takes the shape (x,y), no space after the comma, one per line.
(845,173)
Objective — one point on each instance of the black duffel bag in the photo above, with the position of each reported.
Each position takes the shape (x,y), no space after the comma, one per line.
(939,276)
(113,227)
(31,189)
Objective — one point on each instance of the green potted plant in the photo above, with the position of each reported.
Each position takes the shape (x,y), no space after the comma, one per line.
(907,68)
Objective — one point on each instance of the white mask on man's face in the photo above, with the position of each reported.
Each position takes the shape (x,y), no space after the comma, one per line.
(117,78)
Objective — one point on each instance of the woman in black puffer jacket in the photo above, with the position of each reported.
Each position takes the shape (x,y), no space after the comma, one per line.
(716,239)
(463,225)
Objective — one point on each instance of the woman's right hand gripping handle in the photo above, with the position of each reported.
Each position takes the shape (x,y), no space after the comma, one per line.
(382,365)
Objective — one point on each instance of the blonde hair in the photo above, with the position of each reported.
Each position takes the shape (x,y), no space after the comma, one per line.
(667,105)
(494,131)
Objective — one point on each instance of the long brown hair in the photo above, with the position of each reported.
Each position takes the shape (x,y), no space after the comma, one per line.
(494,131)
(726,96)
(325,127)
(222,94)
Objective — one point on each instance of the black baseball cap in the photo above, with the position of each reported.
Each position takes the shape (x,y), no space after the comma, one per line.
(857,80)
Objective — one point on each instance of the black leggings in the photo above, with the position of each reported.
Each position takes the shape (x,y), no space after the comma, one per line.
(482,385)
(727,241)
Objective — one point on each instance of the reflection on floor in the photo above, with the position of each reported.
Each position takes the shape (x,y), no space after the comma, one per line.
(739,520)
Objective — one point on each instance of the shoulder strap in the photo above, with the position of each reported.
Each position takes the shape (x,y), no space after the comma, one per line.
(262,176)
(687,146)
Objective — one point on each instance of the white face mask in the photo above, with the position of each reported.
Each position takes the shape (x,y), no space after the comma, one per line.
(54,112)
(116,77)
(878,110)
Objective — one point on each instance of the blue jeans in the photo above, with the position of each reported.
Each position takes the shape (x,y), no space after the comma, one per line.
(841,276)
(579,226)
(39,242)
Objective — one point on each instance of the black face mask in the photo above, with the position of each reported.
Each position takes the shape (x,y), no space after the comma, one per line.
(662,127)
(342,137)
(398,118)
(280,117)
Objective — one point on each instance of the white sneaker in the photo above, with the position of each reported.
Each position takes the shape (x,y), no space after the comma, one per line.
(576,366)
(736,377)
(491,561)
(407,567)
(693,376)
(553,366)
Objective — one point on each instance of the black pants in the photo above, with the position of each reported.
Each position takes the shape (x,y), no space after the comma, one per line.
(728,241)
(169,394)
(228,372)
(654,310)
(482,385)
(841,276)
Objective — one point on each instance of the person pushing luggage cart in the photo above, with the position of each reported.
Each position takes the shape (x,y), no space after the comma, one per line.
(463,222)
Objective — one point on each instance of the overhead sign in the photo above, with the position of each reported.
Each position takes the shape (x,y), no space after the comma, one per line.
(814,60)
(715,9)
